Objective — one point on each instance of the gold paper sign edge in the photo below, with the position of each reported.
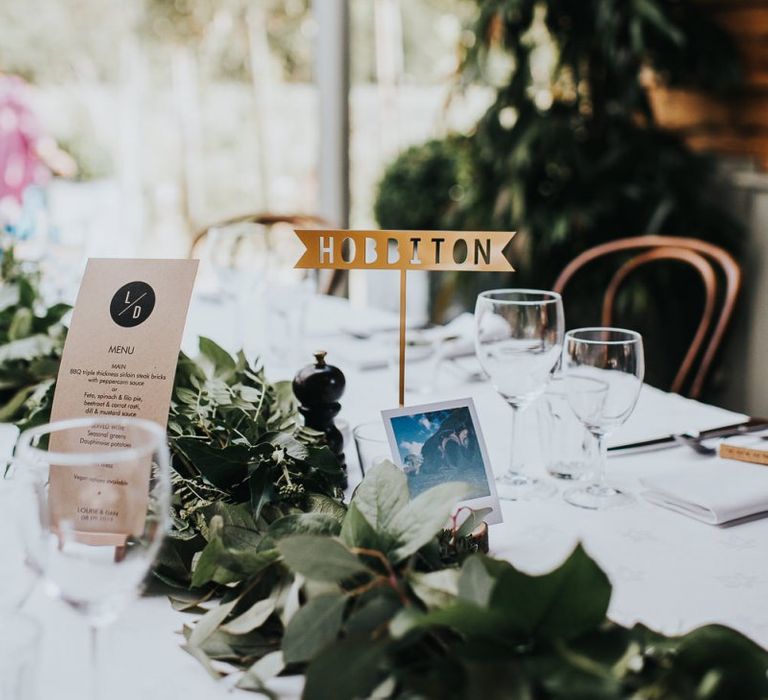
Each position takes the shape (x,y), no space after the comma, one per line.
(423,250)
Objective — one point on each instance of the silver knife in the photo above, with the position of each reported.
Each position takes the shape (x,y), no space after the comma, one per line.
(753,425)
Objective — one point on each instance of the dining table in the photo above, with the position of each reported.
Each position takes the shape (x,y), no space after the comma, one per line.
(669,572)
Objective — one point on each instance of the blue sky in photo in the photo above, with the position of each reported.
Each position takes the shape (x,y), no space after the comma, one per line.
(411,432)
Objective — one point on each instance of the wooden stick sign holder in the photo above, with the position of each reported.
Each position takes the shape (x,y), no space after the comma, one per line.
(479,251)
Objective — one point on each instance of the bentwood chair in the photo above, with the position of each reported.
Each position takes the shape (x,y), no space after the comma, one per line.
(277,230)
(714,267)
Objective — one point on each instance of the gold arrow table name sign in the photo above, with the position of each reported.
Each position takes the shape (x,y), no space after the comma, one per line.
(468,251)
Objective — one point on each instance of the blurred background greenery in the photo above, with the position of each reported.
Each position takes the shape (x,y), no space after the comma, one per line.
(573,123)
(570,155)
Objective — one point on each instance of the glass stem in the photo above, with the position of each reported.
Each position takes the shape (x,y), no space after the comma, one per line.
(602,457)
(515,466)
(95,671)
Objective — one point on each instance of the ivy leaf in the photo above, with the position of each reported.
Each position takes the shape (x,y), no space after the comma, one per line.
(293,448)
(322,458)
(320,558)
(313,627)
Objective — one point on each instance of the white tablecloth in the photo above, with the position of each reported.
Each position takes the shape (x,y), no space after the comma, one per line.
(668,571)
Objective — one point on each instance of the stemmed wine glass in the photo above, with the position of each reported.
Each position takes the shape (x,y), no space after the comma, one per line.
(99,492)
(603,369)
(518,340)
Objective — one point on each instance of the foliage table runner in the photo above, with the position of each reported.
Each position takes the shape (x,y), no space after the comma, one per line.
(360,571)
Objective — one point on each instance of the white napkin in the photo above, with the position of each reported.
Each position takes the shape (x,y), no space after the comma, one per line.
(715,492)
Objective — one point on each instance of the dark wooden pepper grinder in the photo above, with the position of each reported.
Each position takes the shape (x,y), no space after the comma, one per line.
(318,388)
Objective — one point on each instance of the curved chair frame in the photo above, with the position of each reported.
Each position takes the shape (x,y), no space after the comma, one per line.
(334,282)
(698,254)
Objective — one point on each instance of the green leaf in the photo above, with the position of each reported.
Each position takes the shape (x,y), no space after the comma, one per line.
(231,557)
(223,363)
(741,666)
(319,503)
(223,468)
(435,588)
(304,524)
(372,615)
(208,564)
(313,627)
(465,618)
(381,494)
(476,583)
(356,531)
(347,670)
(263,670)
(293,448)
(21,325)
(202,658)
(261,488)
(209,622)
(53,315)
(253,618)
(322,458)
(320,558)
(12,406)
(422,518)
(564,603)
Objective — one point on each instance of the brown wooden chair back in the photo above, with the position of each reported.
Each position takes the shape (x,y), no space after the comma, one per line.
(699,255)
(332,283)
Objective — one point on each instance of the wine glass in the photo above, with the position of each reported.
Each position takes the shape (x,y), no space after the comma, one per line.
(99,492)
(19,635)
(518,340)
(604,370)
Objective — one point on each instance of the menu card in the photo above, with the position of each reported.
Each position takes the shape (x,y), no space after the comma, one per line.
(119,360)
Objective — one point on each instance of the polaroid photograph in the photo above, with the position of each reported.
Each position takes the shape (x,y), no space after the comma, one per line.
(439,442)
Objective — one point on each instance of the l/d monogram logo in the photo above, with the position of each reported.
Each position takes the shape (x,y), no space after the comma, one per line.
(132,304)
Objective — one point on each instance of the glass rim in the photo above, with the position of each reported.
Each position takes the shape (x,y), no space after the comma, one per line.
(633,336)
(356,431)
(547,296)
(26,451)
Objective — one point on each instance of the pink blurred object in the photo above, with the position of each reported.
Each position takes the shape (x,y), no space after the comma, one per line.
(20,163)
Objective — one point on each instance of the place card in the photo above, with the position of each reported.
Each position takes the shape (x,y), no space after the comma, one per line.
(441,442)
(119,360)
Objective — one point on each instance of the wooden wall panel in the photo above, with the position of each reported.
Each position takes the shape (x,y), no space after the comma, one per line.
(738,125)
